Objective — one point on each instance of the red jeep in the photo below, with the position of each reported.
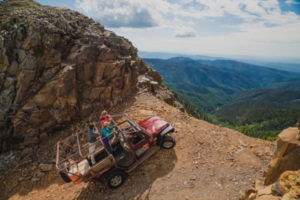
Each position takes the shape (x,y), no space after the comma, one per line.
(132,144)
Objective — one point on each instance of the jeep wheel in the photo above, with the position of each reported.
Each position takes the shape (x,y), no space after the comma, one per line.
(168,142)
(116,179)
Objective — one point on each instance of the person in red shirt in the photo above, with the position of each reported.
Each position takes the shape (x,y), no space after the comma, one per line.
(104,117)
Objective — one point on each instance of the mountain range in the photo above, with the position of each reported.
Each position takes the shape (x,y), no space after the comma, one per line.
(285,64)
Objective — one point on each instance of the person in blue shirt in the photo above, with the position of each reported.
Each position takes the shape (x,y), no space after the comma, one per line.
(107,133)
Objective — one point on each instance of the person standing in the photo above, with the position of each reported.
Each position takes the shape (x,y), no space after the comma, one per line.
(92,139)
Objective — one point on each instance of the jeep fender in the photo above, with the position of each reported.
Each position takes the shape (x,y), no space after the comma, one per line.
(104,176)
(168,129)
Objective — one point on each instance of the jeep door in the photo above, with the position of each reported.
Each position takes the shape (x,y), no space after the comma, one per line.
(140,143)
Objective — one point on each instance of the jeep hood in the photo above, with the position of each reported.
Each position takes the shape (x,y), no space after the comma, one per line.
(153,125)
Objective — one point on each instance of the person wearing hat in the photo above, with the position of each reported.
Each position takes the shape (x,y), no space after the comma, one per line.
(107,133)
(104,117)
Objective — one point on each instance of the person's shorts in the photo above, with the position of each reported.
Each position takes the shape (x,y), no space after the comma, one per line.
(105,140)
(92,147)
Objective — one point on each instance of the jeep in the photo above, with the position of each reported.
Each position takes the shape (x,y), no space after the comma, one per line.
(132,144)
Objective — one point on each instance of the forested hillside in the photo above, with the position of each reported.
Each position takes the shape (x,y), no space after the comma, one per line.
(261,112)
(256,100)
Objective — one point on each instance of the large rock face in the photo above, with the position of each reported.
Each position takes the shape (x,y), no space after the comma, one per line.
(57,66)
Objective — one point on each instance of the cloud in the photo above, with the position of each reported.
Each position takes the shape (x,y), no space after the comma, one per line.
(292,2)
(184,32)
(137,19)
(115,13)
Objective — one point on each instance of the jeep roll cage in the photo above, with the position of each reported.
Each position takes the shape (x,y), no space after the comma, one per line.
(70,150)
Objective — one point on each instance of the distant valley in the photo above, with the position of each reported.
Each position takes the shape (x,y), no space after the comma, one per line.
(235,94)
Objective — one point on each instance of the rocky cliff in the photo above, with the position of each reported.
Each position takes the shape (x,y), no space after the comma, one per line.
(57,66)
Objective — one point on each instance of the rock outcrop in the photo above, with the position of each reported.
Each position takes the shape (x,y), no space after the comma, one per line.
(58,66)
(282,178)
(151,81)
(287,155)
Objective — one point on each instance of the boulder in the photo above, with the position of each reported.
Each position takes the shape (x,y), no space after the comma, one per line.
(179,106)
(287,155)
(143,81)
(154,86)
(287,185)
(166,95)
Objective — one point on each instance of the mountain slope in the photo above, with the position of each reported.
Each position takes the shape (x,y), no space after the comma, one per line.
(210,84)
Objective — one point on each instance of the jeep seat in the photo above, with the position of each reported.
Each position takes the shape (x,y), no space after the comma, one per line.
(104,164)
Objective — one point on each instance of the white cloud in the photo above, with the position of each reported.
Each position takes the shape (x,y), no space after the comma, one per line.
(125,13)
(291,2)
(132,13)
(184,32)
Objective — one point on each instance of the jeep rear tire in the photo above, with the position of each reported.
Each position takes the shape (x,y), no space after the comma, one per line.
(168,142)
(116,178)
(65,177)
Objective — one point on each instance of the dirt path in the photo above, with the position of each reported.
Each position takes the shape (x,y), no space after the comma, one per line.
(208,162)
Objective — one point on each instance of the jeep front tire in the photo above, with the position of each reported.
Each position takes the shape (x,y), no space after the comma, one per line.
(168,142)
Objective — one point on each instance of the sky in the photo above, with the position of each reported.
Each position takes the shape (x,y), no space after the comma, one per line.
(255,28)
